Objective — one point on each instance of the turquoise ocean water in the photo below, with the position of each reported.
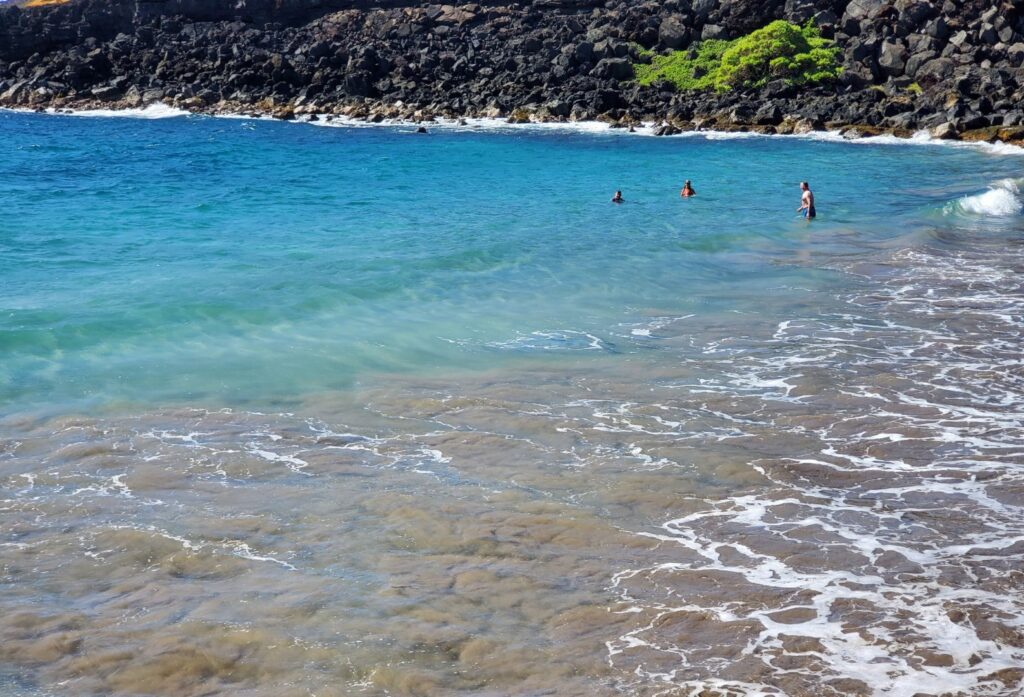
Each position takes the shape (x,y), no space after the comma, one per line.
(294,409)
(228,261)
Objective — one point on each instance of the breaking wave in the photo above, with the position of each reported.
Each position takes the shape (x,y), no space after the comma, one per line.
(1002,200)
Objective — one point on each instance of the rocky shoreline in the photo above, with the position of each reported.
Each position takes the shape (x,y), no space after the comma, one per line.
(400,114)
(952,69)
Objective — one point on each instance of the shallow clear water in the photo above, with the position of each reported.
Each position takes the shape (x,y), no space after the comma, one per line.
(302,410)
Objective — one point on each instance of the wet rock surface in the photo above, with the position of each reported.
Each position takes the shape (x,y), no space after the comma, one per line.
(954,67)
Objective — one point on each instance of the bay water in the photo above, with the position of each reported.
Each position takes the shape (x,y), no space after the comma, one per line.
(288,409)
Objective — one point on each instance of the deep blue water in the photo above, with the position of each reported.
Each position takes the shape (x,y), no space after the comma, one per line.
(233,261)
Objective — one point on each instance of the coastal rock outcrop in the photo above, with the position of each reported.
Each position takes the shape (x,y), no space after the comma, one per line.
(908,65)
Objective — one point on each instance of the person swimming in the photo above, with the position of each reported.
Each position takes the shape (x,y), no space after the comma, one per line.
(617,198)
(807,202)
(688,190)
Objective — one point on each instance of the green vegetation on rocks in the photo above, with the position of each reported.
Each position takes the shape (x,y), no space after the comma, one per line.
(693,69)
(779,51)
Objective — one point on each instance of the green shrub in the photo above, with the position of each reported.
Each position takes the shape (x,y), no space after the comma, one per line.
(779,51)
(687,70)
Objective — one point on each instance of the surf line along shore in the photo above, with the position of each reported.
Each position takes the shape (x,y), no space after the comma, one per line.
(953,70)
(159,110)
(401,115)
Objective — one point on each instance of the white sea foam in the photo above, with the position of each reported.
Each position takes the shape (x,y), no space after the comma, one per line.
(159,111)
(236,548)
(912,420)
(106,486)
(296,465)
(1002,200)
(556,340)
(650,328)
(920,138)
(243,550)
(156,110)
(470,124)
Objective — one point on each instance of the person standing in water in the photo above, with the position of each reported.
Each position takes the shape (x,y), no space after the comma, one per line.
(688,190)
(617,198)
(807,202)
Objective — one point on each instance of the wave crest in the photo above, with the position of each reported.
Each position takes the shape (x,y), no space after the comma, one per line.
(1002,200)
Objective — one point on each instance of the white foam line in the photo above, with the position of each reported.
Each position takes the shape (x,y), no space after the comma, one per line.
(646,129)
(244,551)
(183,541)
(921,138)
(152,111)
(116,487)
(187,438)
(293,463)
(235,547)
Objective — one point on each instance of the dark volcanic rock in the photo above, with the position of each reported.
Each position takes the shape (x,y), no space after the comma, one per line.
(674,33)
(908,64)
(892,59)
(107,93)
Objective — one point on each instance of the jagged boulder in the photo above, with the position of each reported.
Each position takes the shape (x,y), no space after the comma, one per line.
(934,71)
(107,93)
(913,13)
(860,10)
(614,68)
(674,33)
(892,58)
